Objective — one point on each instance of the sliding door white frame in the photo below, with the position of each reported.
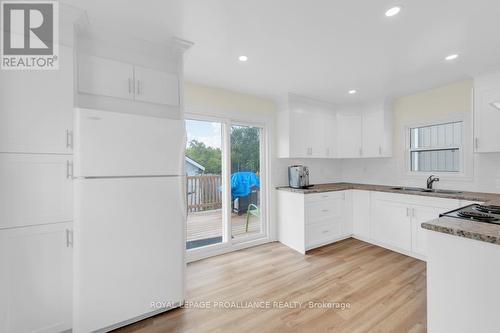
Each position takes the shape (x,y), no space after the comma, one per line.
(228,243)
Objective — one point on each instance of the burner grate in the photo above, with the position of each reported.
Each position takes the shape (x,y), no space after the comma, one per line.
(476,216)
(490,209)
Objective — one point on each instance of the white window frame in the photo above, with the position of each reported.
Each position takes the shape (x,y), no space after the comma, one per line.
(466,151)
(230,244)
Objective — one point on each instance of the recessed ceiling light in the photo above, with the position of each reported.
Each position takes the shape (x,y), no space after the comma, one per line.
(393,11)
(243,58)
(451,57)
(352,92)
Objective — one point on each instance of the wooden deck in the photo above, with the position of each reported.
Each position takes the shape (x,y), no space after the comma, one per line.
(208,224)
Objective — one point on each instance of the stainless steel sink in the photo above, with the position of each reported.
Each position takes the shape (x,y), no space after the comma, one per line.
(411,189)
(425,190)
(447,191)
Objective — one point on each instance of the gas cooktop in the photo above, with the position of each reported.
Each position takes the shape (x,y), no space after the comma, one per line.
(478,213)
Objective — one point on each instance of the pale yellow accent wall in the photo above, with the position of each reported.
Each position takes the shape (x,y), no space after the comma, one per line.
(197,96)
(452,102)
(441,104)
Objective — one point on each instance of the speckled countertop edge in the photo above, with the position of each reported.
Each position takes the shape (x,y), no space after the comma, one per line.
(480,231)
(485,232)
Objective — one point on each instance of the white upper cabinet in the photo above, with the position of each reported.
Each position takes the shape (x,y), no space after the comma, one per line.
(156,87)
(99,76)
(377,132)
(487,113)
(329,123)
(306,129)
(350,139)
(312,129)
(110,78)
(36,108)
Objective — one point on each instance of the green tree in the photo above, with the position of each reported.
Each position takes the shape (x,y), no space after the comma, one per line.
(209,157)
(245,149)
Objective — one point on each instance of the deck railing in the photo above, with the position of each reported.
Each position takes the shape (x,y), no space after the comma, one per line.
(203,192)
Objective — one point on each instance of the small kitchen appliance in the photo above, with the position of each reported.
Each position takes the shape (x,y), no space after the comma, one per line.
(298,176)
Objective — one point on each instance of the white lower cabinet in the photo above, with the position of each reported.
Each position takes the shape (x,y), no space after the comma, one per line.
(36,278)
(393,221)
(325,218)
(391,224)
(361,214)
(313,220)
(397,220)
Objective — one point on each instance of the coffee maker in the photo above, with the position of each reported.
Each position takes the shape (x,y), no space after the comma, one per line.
(298,176)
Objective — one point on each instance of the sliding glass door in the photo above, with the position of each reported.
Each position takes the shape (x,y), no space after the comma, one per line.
(245,181)
(204,183)
(226,187)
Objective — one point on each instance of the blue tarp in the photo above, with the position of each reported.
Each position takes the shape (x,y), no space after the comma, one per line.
(242,183)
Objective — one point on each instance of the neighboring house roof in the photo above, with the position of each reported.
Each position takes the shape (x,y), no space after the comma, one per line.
(194,163)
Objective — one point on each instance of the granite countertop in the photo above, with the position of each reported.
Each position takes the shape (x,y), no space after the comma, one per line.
(481,231)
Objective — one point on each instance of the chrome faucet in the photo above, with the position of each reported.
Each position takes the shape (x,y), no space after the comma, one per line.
(430,181)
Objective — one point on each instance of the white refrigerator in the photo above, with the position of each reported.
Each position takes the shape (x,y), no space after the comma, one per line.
(129,228)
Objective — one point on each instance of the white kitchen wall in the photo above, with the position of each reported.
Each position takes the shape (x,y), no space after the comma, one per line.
(443,104)
(320,170)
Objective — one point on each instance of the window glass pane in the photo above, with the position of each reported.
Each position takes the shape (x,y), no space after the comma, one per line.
(204,184)
(246,217)
(435,160)
(436,136)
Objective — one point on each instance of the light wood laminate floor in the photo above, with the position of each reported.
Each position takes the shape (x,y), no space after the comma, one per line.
(386,291)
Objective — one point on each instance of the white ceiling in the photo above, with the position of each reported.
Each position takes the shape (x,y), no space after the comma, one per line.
(318,48)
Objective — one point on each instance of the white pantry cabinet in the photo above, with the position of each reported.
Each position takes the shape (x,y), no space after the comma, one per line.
(111,78)
(36,189)
(36,108)
(36,278)
(487,113)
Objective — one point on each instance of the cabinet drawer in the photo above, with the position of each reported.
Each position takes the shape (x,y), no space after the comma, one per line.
(322,210)
(316,197)
(322,232)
